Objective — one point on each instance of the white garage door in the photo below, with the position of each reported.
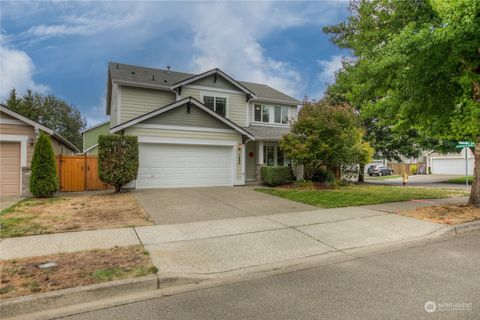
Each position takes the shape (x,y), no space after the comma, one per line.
(173,165)
(451,166)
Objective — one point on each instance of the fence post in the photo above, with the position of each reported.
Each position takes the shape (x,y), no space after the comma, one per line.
(85,172)
(60,172)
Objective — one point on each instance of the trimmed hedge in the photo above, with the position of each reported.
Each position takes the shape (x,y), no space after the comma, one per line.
(44,178)
(117,159)
(275,176)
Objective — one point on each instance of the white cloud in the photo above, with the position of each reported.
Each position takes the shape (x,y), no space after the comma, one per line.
(96,114)
(329,68)
(17,70)
(326,75)
(227,36)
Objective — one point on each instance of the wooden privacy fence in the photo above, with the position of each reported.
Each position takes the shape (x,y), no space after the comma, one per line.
(79,173)
(401,168)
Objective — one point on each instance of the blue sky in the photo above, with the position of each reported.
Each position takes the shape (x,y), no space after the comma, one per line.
(64,47)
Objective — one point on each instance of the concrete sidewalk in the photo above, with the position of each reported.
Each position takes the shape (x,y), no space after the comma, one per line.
(206,248)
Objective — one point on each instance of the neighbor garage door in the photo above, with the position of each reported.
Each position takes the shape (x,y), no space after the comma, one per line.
(172,165)
(9,168)
(451,166)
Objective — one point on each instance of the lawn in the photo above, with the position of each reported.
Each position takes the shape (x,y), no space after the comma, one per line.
(355,195)
(460,180)
(24,276)
(61,214)
(383,177)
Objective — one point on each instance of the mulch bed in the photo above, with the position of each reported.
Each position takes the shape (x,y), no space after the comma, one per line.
(446,214)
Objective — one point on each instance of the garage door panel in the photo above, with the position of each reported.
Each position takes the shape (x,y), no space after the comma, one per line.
(451,166)
(9,168)
(166,165)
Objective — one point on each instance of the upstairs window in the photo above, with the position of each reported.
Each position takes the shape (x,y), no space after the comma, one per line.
(271,114)
(217,104)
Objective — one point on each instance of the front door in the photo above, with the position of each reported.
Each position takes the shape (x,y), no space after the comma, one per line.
(251,161)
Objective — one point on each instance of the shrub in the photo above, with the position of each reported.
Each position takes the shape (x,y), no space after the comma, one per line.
(413,169)
(275,176)
(117,159)
(324,175)
(44,178)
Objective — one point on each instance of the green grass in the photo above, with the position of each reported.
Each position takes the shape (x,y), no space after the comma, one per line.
(383,177)
(358,195)
(116,273)
(460,180)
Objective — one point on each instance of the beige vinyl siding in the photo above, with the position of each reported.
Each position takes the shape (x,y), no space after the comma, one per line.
(236,110)
(220,83)
(180,117)
(199,135)
(138,101)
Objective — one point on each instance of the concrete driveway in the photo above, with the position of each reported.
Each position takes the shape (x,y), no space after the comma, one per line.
(184,205)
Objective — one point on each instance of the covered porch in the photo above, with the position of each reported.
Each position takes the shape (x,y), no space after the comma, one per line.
(265,151)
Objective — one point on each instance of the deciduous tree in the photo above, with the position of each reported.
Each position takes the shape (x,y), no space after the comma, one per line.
(416,66)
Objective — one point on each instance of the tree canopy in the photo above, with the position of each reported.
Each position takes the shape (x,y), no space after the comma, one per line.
(50,111)
(326,135)
(416,67)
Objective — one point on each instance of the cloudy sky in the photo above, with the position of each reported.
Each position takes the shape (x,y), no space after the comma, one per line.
(64,47)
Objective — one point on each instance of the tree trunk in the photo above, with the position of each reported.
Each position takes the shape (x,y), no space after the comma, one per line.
(475,193)
(361,172)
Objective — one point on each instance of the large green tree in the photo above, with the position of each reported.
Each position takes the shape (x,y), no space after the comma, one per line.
(326,135)
(50,111)
(416,66)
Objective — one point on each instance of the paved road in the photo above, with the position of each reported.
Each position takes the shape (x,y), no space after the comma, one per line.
(393,285)
(427,180)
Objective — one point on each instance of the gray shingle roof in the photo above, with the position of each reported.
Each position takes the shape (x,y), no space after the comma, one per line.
(120,72)
(268,133)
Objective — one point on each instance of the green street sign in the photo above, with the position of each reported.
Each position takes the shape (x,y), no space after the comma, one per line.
(463,144)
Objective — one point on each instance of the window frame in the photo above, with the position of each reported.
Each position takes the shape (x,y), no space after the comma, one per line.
(271,111)
(215,95)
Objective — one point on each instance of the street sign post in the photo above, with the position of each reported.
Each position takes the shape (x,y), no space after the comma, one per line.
(465,145)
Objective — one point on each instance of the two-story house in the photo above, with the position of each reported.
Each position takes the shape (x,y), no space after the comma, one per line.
(203,129)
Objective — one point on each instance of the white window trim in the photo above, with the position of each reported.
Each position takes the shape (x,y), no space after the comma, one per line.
(23,145)
(216,95)
(271,115)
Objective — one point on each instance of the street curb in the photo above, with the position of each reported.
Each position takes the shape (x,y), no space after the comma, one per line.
(71,296)
(466,227)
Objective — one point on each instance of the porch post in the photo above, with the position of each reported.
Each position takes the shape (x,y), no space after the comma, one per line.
(260,152)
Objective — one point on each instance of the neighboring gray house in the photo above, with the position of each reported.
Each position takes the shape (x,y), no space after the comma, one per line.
(203,129)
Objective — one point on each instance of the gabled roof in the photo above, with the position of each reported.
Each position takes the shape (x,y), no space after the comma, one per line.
(176,104)
(213,72)
(126,74)
(35,124)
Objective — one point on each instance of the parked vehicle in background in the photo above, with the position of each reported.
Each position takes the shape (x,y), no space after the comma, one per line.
(379,170)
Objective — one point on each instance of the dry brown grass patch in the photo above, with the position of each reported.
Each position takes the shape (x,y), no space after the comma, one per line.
(446,214)
(82,212)
(24,276)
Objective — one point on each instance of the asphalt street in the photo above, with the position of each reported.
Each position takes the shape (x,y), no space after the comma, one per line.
(442,277)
